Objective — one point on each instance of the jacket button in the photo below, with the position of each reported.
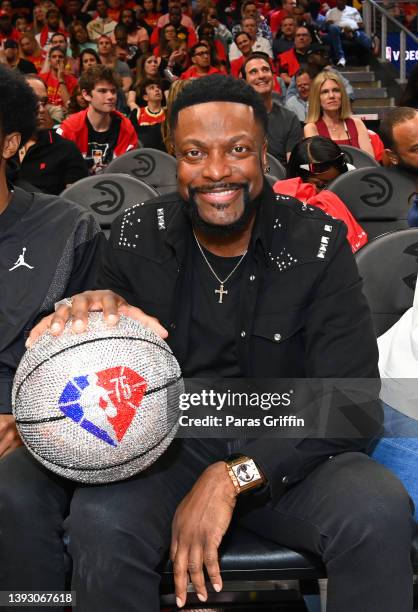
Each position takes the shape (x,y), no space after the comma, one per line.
(331,457)
(277,337)
(285,480)
(252,277)
(243,334)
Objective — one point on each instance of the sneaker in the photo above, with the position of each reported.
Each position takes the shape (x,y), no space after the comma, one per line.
(341,62)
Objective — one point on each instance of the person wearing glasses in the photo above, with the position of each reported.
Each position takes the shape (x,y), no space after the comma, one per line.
(201,66)
(47,161)
(330,114)
(313,164)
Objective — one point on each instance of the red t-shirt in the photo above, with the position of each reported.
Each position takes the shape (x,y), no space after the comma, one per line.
(288,62)
(145,117)
(191,73)
(52,85)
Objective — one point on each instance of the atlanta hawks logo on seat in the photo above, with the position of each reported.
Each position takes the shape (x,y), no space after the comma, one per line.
(104,403)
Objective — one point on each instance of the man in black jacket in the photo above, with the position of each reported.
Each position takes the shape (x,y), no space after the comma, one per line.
(241,283)
(48,161)
(48,247)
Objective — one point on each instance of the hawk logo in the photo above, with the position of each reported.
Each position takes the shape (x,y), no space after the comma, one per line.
(113,203)
(145,167)
(380,190)
(104,403)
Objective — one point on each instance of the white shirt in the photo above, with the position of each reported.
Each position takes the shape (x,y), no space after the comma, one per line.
(349,17)
(261,44)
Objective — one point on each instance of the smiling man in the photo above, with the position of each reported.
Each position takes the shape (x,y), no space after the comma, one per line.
(284,130)
(208,267)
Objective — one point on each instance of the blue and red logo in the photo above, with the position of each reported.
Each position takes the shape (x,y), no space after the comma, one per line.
(104,403)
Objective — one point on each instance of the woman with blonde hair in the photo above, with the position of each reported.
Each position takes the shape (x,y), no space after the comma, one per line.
(330,116)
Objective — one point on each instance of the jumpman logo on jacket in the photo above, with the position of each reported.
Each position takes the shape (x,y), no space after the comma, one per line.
(21,262)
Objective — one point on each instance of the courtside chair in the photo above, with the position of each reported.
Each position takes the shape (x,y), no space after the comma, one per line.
(154,167)
(107,195)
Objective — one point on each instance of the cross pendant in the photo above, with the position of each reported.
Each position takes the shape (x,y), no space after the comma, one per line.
(221,292)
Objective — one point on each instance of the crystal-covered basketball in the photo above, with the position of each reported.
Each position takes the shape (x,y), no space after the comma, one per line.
(99,406)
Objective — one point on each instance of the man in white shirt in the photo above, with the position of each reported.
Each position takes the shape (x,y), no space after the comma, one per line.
(249,25)
(346,20)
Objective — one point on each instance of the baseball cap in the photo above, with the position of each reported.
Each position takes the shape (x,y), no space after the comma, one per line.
(10,44)
(317,48)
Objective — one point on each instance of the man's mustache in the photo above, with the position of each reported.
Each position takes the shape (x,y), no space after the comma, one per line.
(216,187)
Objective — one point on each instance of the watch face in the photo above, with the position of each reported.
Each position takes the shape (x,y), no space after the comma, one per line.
(246,472)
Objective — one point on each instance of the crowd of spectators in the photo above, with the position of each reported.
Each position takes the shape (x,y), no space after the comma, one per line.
(145,46)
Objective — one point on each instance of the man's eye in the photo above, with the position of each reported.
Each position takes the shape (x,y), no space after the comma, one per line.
(239,149)
(194,154)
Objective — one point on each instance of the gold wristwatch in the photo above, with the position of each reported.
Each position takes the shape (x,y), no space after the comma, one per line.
(244,473)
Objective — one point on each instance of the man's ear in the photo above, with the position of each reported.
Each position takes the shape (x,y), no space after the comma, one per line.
(86,95)
(391,157)
(11,144)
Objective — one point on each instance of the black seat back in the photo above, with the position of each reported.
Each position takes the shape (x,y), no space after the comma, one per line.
(358,157)
(156,168)
(379,198)
(276,167)
(389,265)
(107,195)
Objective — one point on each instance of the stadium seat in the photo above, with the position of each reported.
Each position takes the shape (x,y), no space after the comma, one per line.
(377,197)
(107,195)
(389,265)
(156,168)
(271,179)
(276,167)
(358,157)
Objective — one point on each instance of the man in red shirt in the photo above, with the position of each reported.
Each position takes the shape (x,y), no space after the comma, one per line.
(100,132)
(60,85)
(290,61)
(200,58)
(277,16)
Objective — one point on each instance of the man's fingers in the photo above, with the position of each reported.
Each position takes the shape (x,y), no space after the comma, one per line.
(180,575)
(80,312)
(195,569)
(211,561)
(40,328)
(146,320)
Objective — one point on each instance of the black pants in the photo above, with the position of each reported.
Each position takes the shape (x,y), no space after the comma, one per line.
(350,511)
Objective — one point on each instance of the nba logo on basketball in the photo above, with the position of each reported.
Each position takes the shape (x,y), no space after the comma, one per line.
(104,403)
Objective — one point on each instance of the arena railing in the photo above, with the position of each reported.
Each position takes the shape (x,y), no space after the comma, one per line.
(371,12)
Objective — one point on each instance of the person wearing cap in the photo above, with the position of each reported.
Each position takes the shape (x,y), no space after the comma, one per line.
(317,60)
(12,59)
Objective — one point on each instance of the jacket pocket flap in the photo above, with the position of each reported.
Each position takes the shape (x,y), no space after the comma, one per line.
(278,327)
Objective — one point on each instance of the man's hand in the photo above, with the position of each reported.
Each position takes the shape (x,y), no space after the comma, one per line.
(110,303)
(9,436)
(200,523)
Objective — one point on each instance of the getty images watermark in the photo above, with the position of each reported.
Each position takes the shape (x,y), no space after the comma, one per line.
(233,400)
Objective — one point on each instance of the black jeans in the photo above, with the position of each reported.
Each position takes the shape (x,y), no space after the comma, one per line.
(350,511)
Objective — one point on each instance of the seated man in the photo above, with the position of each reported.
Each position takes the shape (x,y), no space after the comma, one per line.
(399,132)
(322,495)
(200,59)
(284,130)
(13,61)
(259,43)
(345,21)
(47,161)
(298,103)
(291,61)
(286,40)
(49,247)
(100,132)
